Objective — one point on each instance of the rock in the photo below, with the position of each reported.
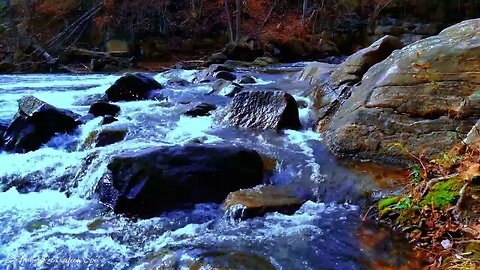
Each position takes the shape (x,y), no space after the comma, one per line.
(108,119)
(256,202)
(243,51)
(132,87)
(203,109)
(263,110)
(225,88)
(292,50)
(217,58)
(408,39)
(473,135)
(246,79)
(209,74)
(423,97)
(35,123)
(265,61)
(3,128)
(103,138)
(177,81)
(339,86)
(103,108)
(110,136)
(144,183)
(7,67)
(225,75)
(353,68)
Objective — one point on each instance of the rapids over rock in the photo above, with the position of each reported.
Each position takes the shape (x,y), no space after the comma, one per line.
(52,217)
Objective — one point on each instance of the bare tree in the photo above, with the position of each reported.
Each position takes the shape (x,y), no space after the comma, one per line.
(304,9)
(229,20)
(237,17)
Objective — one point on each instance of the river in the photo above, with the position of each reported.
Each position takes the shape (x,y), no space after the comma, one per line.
(50,217)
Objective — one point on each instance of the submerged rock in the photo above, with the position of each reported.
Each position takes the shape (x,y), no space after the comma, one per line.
(258,201)
(145,183)
(103,109)
(263,110)
(423,97)
(132,87)
(203,109)
(225,88)
(35,123)
(246,79)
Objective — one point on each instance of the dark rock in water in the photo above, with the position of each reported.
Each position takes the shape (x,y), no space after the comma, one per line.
(209,74)
(177,81)
(247,80)
(263,110)
(145,183)
(258,201)
(225,88)
(103,109)
(35,123)
(103,138)
(108,119)
(203,109)
(3,128)
(132,87)
(110,136)
(225,75)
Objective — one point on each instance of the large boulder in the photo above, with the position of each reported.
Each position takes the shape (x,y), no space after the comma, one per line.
(147,182)
(263,110)
(35,123)
(353,68)
(424,97)
(132,87)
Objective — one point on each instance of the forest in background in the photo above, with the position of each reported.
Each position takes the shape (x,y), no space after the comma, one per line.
(161,30)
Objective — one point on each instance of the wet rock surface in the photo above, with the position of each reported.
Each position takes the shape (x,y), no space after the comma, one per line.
(35,123)
(423,97)
(263,110)
(103,109)
(202,109)
(258,201)
(132,87)
(147,182)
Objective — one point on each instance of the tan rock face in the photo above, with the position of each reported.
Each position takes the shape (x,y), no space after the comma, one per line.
(425,97)
(352,70)
(254,202)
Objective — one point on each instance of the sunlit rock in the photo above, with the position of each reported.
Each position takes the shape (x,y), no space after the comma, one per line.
(263,110)
(424,97)
(258,201)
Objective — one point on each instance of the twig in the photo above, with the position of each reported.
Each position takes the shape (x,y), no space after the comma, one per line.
(460,200)
(436,180)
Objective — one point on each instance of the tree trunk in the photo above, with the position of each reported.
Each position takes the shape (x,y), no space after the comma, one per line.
(304,10)
(229,20)
(238,15)
(12,27)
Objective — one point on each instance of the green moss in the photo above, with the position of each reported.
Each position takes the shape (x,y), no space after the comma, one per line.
(474,249)
(384,203)
(443,194)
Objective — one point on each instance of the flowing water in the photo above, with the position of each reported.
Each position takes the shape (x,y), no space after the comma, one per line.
(51,219)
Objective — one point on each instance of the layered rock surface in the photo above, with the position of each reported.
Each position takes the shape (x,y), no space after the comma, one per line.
(425,97)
